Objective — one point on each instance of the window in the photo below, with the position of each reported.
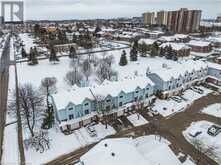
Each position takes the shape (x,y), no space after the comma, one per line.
(70,109)
(135,99)
(120,104)
(71,117)
(86,104)
(121,96)
(108,101)
(86,112)
(147,89)
(137,91)
(146,95)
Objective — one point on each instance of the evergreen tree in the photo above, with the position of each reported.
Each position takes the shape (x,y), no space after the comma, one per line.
(98,29)
(162,52)
(135,45)
(143,49)
(133,54)
(154,50)
(169,52)
(23,52)
(123,59)
(72,52)
(33,60)
(53,56)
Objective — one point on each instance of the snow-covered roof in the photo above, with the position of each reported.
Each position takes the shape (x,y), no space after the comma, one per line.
(144,150)
(216,39)
(77,95)
(214,65)
(167,38)
(113,152)
(147,41)
(198,43)
(175,46)
(180,69)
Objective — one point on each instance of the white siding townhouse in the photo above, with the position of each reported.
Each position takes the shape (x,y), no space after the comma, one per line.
(214,73)
(172,80)
(80,106)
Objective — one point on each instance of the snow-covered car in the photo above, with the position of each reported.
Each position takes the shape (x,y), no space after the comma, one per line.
(91,130)
(177,99)
(214,130)
(154,112)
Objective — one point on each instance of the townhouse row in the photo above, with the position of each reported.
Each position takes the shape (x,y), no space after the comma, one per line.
(80,106)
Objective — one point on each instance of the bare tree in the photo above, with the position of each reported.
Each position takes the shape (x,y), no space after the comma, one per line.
(203,149)
(104,71)
(100,102)
(48,87)
(109,60)
(86,68)
(40,142)
(73,77)
(31,105)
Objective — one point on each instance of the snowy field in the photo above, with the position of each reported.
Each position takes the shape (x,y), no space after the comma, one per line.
(170,107)
(137,119)
(207,140)
(213,110)
(64,144)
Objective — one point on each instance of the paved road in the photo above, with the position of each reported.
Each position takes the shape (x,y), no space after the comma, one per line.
(4,66)
(170,129)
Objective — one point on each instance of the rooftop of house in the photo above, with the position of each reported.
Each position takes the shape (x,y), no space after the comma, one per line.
(128,151)
(77,95)
(214,65)
(180,69)
(199,43)
(175,46)
(147,41)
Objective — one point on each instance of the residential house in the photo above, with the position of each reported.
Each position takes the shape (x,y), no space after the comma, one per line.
(80,106)
(200,46)
(214,73)
(181,49)
(172,80)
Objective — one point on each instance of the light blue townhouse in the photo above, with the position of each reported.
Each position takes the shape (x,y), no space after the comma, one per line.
(80,106)
(172,80)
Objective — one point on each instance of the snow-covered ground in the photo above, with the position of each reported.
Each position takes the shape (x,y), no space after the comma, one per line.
(64,144)
(10,141)
(28,41)
(213,110)
(137,119)
(206,140)
(145,150)
(169,107)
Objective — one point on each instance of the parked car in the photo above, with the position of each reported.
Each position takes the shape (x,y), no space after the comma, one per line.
(91,130)
(214,130)
(177,99)
(154,112)
(196,90)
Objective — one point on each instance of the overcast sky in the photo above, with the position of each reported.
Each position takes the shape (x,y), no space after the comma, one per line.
(83,9)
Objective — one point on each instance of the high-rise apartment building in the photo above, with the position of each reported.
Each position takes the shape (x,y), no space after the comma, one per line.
(183,21)
(178,21)
(149,18)
(161,18)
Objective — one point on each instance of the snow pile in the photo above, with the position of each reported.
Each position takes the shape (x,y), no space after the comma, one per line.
(213,110)
(137,119)
(206,140)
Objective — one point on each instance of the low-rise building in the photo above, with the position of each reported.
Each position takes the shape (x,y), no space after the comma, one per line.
(200,46)
(80,106)
(181,49)
(172,80)
(214,73)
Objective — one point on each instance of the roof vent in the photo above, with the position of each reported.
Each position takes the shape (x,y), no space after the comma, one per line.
(105,145)
(112,154)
